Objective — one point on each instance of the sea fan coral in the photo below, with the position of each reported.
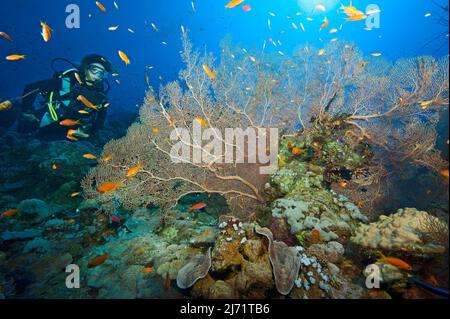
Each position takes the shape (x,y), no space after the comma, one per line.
(393,108)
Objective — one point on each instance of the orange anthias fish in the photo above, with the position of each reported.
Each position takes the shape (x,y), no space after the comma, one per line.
(70,135)
(233,3)
(97,261)
(46,31)
(198,206)
(208,71)
(133,171)
(350,10)
(201,121)
(124,57)
(5,36)
(357,17)
(297,151)
(109,187)
(147,270)
(325,24)
(15,57)
(78,78)
(86,102)
(444,173)
(343,184)
(10,213)
(107,158)
(100,6)
(69,122)
(396,262)
(90,156)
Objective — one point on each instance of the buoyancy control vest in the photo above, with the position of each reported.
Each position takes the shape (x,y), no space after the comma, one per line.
(62,102)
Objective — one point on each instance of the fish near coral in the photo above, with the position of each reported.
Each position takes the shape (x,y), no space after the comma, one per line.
(10,213)
(444,173)
(97,261)
(147,270)
(133,171)
(297,151)
(343,184)
(109,187)
(209,72)
(201,121)
(396,262)
(69,122)
(89,156)
(198,206)
(70,136)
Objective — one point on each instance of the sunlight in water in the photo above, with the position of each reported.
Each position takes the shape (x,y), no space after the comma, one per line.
(308,5)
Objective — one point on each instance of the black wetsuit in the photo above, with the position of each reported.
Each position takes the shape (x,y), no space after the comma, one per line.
(63,91)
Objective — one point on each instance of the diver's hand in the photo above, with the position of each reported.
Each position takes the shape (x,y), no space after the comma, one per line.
(80,134)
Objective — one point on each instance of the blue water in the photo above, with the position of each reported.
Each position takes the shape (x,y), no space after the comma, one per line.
(403,32)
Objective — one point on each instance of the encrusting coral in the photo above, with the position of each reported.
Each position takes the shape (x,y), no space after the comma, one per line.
(403,231)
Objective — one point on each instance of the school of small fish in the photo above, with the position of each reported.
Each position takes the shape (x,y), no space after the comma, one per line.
(352,15)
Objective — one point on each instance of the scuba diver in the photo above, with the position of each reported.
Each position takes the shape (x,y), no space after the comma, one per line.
(73,101)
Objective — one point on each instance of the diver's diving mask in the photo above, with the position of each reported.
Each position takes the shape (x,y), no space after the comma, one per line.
(98,72)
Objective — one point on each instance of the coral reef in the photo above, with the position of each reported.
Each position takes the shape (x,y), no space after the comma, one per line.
(399,232)
(289,236)
(308,205)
